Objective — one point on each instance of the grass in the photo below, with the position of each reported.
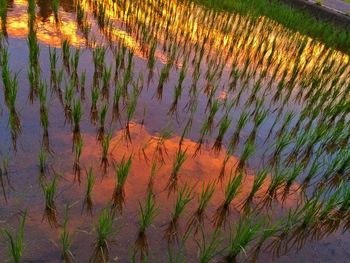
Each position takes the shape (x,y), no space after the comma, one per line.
(16,241)
(296,20)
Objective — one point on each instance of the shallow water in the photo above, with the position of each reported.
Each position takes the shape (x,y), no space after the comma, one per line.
(217,40)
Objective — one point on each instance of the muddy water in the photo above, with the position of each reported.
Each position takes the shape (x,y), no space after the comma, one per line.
(152,116)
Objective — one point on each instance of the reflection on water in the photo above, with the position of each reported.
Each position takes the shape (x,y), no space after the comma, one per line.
(195,97)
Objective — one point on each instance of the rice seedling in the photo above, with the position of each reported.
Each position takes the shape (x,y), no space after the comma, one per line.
(74,62)
(106,141)
(180,158)
(15,241)
(82,85)
(245,232)
(197,218)
(209,250)
(104,230)
(308,216)
(160,149)
(66,239)
(232,189)
(106,78)
(242,121)
(90,182)
(248,151)
(116,100)
(68,99)
(208,124)
(121,174)
(290,177)
(102,119)
(184,197)
(178,90)
(148,212)
(99,60)
(49,190)
(259,180)
(66,53)
(267,232)
(76,114)
(77,149)
(130,110)
(44,121)
(280,145)
(94,98)
(224,125)
(278,180)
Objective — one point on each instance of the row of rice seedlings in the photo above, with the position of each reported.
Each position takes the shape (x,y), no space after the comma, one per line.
(15,241)
(184,197)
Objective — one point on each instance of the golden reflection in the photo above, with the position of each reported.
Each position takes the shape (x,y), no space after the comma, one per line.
(227,37)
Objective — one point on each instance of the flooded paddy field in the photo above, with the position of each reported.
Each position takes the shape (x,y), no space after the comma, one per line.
(161,131)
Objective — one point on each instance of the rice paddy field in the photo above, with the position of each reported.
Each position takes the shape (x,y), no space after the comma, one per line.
(162,131)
